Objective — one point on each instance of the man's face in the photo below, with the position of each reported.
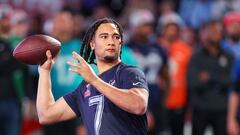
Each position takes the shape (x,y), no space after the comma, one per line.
(214,33)
(171,31)
(63,24)
(144,30)
(107,43)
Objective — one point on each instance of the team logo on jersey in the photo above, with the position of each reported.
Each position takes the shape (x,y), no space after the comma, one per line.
(112,82)
(137,83)
(87,93)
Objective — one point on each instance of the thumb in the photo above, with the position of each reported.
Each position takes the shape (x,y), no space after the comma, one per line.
(49,55)
(49,58)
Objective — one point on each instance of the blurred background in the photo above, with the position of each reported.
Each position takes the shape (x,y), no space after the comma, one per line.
(188,49)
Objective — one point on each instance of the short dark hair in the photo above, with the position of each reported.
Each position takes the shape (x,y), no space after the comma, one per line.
(85,50)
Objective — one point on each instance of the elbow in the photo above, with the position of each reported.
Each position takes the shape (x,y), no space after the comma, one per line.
(43,119)
(141,105)
(140,108)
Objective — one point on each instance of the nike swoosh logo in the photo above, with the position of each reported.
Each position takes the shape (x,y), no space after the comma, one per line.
(136,83)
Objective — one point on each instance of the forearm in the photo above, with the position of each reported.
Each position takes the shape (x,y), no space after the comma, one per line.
(233,106)
(132,100)
(44,95)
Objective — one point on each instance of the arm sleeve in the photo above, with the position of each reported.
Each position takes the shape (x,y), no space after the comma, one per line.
(132,77)
(73,100)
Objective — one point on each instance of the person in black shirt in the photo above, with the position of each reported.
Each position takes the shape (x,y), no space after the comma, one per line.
(209,78)
(10,104)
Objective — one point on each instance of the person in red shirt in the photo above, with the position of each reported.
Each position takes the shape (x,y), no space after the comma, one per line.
(178,53)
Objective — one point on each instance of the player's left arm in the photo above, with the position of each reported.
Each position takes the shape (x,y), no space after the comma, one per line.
(133,100)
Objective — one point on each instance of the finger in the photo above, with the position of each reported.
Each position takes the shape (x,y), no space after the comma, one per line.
(78,57)
(49,55)
(74,70)
(73,64)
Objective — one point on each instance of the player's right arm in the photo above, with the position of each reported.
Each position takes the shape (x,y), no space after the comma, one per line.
(49,110)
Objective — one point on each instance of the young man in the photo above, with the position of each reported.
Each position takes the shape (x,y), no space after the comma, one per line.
(112,103)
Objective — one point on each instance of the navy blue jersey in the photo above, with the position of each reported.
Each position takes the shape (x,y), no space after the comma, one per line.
(99,114)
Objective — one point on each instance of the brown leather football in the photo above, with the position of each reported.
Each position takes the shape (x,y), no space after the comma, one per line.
(32,50)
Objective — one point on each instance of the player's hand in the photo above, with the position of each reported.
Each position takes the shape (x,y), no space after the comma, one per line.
(47,65)
(82,68)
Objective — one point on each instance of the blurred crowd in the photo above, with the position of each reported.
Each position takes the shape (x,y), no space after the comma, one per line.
(188,49)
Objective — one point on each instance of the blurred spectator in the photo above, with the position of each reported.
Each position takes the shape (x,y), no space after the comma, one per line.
(178,53)
(132,6)
(189,36)
(10,120)
(232,44)
(79,21)
(209,78)
(5,11)
(19,23)
(221,7)
(166,7)
(19,27)
(151,59)
(63,80)
(127,56)
(36,22)
(13,83)
(232,27)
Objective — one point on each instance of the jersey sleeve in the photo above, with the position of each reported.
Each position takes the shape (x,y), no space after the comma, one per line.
(73,101)
(132,77)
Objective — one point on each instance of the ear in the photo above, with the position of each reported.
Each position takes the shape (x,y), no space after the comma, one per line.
(92,45)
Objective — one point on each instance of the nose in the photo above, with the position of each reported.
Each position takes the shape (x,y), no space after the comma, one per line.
(111,41)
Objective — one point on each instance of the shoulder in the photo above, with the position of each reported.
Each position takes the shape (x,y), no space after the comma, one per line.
(130,77)
(125,69)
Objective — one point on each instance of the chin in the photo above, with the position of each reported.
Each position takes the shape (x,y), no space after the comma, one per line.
(109,59)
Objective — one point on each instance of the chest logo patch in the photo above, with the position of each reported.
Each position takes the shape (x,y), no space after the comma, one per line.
(87,93)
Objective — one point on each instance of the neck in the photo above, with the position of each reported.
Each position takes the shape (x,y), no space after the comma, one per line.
(104,66)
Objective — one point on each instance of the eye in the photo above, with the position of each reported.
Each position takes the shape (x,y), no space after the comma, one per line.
(117,37)
(104,37)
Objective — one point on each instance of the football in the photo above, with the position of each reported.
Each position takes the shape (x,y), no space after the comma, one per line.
(32,50)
